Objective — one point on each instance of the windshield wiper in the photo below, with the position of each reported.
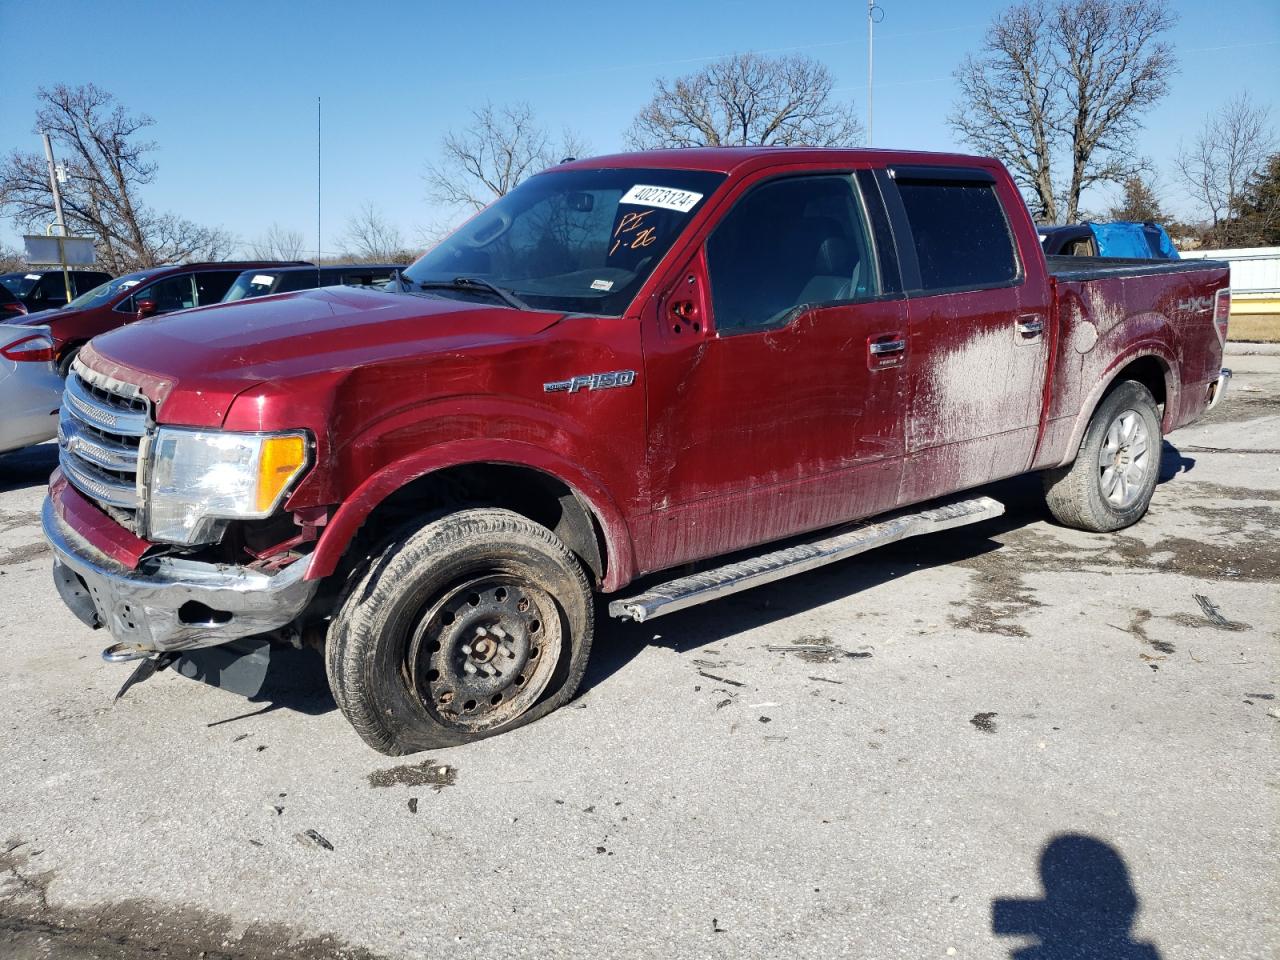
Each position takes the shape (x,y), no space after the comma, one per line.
(474,283)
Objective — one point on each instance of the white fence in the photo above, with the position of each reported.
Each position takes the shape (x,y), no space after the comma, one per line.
(1255,276)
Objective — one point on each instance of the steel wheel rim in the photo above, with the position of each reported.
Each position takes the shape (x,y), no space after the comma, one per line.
(484,653)
(1125,460)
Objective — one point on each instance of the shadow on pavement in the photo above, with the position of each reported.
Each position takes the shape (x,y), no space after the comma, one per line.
(1088,909)
(28,467)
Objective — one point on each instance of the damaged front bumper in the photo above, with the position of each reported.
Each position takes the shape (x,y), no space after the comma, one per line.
(170,604)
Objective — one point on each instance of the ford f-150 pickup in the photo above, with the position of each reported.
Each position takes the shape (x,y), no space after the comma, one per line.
(626,365)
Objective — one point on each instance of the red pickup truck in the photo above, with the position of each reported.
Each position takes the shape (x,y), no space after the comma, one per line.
(626,365)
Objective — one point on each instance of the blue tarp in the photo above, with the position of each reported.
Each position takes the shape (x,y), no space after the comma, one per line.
(1143,241)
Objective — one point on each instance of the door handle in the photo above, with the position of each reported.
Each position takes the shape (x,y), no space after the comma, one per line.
(881,347)
(1030,326)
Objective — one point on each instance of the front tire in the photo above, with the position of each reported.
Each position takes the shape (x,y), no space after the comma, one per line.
(471,625)
(1110,483)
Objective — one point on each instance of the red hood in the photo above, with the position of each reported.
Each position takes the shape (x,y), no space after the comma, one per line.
(193,364)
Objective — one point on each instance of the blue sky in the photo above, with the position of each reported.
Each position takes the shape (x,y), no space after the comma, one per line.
(232,86)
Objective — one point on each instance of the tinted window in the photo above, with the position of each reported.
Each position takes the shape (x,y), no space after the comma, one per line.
(169,294)
(787,243)
(366,278)
(213,285)
(52,289)
(961,236)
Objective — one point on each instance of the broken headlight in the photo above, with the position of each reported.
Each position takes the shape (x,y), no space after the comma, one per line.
(200,478)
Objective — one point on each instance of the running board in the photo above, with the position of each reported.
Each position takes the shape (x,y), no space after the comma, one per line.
(744,574)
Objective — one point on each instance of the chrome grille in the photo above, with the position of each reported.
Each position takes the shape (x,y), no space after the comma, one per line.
(100,431)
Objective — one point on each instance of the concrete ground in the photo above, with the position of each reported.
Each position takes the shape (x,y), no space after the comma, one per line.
(1007,735)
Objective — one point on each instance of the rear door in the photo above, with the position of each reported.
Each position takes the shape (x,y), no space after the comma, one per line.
(774,407)
(978,337)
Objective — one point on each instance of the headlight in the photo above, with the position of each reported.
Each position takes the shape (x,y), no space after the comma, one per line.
(201,477)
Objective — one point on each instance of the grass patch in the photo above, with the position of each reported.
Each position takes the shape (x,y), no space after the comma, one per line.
(1260,328)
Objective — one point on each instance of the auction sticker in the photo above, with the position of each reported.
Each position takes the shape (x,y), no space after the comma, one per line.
(262,280)
(668,198)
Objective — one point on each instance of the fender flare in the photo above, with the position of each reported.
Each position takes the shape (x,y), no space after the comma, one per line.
(356,508)
(1143,348)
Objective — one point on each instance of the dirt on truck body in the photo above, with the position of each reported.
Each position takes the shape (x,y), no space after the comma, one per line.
(753,360)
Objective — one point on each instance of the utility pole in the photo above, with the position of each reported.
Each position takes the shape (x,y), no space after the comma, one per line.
(871,24)
(57,208)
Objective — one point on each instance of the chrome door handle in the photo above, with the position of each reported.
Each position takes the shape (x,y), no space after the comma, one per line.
(1030,327)
(888,346)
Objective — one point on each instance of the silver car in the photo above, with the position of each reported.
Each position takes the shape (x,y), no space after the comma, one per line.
(30,388)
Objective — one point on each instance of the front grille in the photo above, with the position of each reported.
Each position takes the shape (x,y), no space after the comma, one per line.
(100,431)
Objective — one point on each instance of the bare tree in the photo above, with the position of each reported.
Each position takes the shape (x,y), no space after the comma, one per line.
(502,146)
(98,142)
(370,236)
(278,243)
(12,260)
(747,99)
(1058,92)
(1229,153)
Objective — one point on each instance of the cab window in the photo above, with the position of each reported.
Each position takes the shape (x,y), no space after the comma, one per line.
(785,245)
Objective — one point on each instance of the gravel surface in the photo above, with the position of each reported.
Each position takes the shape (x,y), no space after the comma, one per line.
(1007,735)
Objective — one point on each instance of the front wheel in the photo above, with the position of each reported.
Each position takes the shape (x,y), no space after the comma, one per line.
(1110,484)
(472,625)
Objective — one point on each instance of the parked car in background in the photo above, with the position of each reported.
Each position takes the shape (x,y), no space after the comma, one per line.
(47,289)
(30,387)
(10,306)
(136,296)
(1132,241)
(625,365)
(260,283)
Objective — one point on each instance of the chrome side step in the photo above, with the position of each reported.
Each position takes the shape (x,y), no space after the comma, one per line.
(754,571)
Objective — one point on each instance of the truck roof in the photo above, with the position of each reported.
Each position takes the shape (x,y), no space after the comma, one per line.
(727,159)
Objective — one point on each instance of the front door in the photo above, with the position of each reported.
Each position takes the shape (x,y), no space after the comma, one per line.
(774,374)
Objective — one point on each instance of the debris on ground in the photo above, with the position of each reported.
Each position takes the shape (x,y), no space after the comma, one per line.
(985,721)
(821,649)
(425,774)
(313,836)
(712,676)
(413,804)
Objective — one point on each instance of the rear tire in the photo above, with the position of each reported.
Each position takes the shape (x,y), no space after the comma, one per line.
(1110,483)
(65,361)
(469,626)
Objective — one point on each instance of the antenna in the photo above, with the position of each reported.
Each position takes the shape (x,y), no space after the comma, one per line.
(317,191)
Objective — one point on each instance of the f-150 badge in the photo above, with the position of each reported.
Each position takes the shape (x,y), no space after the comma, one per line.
(592,381)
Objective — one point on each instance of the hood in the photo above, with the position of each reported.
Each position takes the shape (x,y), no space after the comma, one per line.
(217,352)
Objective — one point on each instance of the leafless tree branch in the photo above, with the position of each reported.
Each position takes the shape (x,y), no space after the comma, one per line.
(747,99)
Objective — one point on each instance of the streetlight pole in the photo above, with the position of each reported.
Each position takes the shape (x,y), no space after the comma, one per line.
(57,209)
(871,22)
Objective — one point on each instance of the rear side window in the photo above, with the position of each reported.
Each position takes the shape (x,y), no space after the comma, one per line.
(960,233)
(788,244)
(212,285)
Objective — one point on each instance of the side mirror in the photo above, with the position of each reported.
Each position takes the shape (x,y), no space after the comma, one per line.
(146,308)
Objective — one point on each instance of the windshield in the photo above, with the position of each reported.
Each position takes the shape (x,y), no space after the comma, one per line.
(19,284)
(251,284)
(106,292)
(579,241)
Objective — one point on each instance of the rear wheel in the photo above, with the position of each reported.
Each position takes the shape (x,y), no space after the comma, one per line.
(1110,484)
(472,625)
(65,361)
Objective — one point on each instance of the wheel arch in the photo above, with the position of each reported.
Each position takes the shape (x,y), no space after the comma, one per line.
(570,504)
(1150,364)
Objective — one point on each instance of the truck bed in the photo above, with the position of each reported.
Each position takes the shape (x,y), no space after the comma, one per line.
(1101,268)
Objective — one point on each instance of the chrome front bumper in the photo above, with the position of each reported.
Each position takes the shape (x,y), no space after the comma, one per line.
(171,604)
